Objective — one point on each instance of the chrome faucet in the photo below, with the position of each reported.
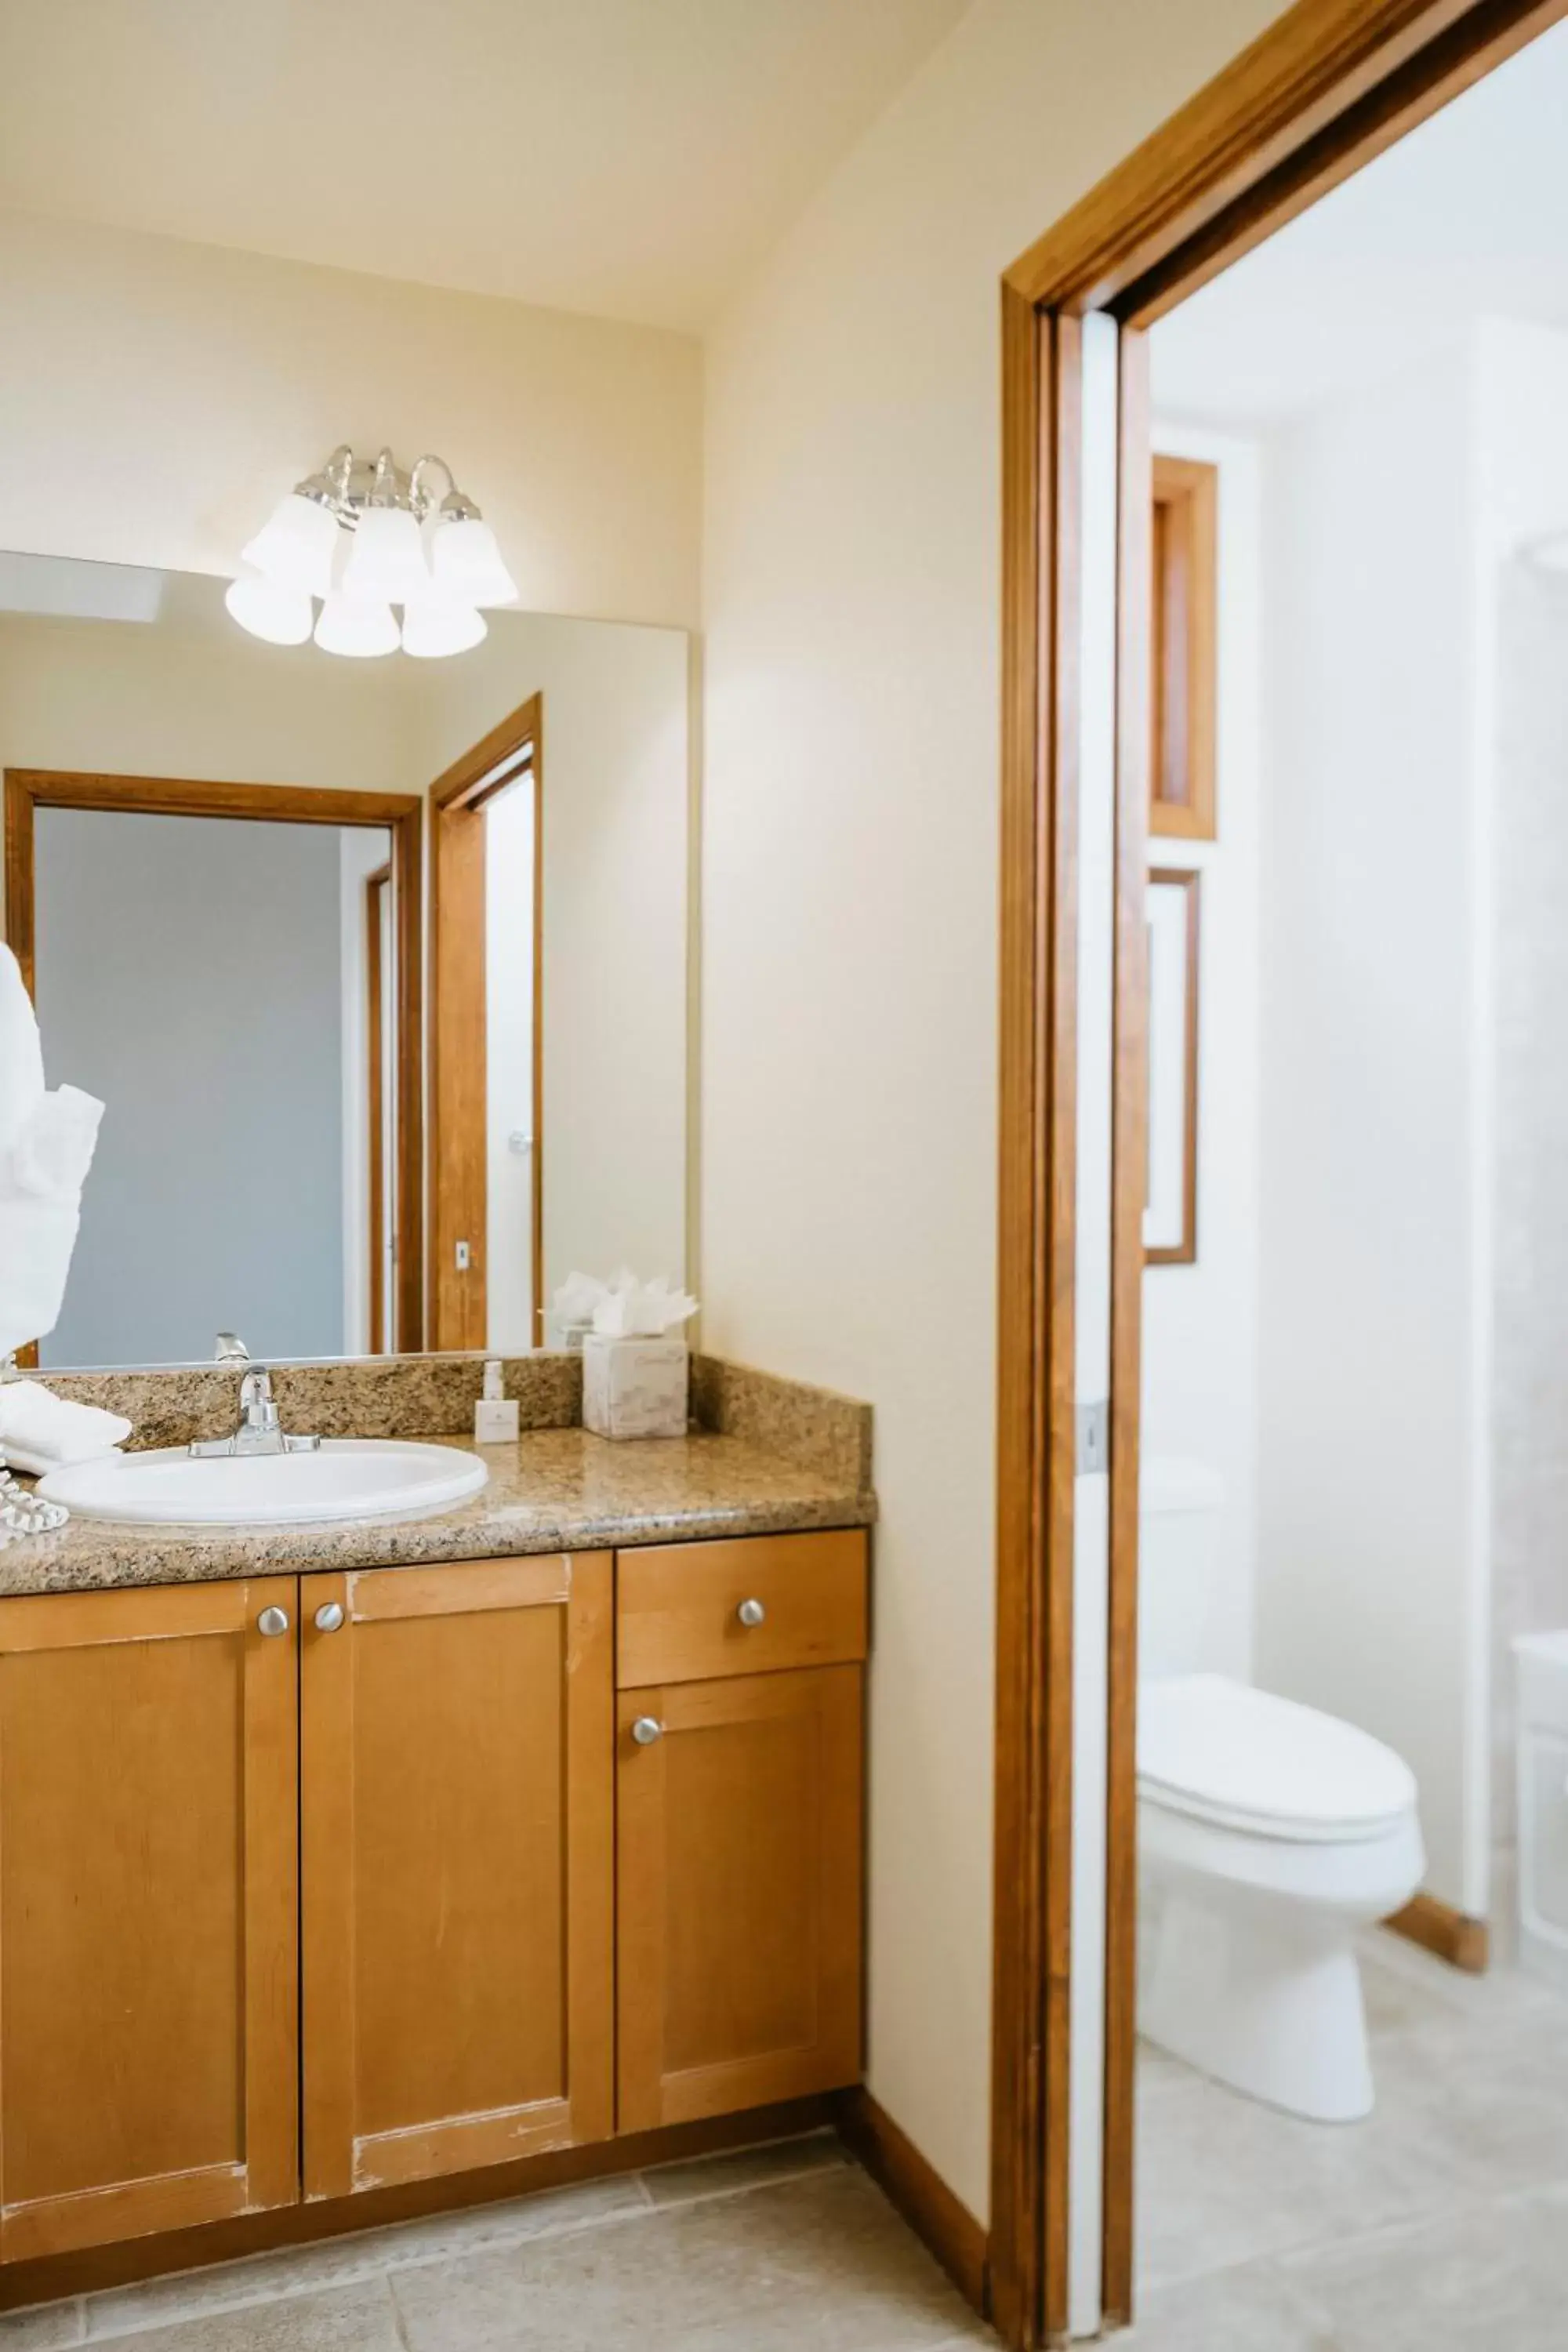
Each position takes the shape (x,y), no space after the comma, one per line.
(259,1431)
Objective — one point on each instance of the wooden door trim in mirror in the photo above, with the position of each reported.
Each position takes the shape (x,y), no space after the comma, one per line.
(508,755)
(400,813)
(377,885)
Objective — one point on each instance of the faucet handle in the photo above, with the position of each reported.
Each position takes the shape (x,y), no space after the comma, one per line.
(257,1408)
(231,1348)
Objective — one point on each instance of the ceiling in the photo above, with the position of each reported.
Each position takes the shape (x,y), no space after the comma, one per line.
(1468,216)
(629,158)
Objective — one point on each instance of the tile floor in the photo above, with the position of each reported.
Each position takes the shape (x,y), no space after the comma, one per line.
(1440,2224)
(770,2250)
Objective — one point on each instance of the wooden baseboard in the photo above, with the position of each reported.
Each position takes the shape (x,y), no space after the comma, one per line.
(1453,1935)
(907,2180)
(88,2272)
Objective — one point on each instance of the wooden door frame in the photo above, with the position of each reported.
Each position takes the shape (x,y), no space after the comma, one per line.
(457,796)
(402,814)
(375,1108)
(1329,86)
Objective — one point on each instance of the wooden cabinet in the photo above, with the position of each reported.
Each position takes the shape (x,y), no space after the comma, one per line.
(148,1841)
(752,1605)
(316,1885)
(739,1831)
(457,1823)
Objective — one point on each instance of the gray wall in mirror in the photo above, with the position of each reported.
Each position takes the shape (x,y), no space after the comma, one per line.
(192,973)
(162,683)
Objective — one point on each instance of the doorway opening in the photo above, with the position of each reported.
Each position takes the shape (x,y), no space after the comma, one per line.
(1323,92)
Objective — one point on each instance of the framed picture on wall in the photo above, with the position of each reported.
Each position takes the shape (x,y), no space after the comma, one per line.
(1170,1207)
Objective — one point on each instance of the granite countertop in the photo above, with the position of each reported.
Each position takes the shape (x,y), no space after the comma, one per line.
(555,1489)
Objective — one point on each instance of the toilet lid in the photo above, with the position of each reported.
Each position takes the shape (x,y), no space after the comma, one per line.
(1247,1759)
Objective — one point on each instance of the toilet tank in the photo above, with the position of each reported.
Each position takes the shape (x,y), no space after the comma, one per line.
(1178,1566)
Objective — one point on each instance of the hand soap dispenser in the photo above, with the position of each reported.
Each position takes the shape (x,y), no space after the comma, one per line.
(495,1416)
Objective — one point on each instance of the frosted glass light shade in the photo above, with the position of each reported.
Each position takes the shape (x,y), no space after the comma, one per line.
(387,560)
(431,631)
(352,626)
(467,564)
(294,546)
(281,615)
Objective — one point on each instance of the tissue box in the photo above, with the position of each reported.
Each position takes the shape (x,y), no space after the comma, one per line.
(634,1388)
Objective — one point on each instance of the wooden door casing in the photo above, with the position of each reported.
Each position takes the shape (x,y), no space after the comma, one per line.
(148,2030)
(738,1894)
(457,1841)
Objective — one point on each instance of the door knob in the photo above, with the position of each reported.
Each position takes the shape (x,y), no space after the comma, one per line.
(272,1621)
(751,1612)
(647,1729)
(328,1616)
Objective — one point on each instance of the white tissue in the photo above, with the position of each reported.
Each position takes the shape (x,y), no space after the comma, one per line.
(577,1298)
(624,1307)
(47,1144)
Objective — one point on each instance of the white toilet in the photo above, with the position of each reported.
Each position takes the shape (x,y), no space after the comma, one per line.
(1270,1835)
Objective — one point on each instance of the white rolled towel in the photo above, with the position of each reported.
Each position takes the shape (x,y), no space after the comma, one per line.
(40,1431)
(47,1144)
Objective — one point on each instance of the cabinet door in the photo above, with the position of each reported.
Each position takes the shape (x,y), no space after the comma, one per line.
(739,1892)
(148,1851)
(458,1812)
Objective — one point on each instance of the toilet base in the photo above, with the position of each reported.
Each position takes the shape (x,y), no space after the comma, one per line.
(1265,1996)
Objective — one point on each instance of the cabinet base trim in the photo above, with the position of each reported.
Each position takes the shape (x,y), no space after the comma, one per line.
(91,2269)
(910,2181)
(1453,1935)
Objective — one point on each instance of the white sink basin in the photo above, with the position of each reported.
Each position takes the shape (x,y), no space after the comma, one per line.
(344,1478)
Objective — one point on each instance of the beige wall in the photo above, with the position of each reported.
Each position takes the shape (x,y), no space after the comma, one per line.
(849,935)
(158,396)
(190,696)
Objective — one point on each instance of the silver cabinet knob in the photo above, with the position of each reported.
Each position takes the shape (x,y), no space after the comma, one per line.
(751,1612)
(647,1729)
(328,1616)
(272,1621)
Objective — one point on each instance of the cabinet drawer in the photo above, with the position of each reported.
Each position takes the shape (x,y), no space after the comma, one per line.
(679,1607)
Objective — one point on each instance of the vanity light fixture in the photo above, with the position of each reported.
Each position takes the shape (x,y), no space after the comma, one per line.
(360,537)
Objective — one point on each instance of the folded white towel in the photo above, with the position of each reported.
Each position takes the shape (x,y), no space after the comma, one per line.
(40,1431)
(47,1144)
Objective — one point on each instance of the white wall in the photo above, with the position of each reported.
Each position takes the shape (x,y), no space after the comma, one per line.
(849,892)
(1375,1312)
(1523,381)
(161,395)
(1200,1321)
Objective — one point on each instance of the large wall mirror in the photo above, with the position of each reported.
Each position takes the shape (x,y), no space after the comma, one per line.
(379,966)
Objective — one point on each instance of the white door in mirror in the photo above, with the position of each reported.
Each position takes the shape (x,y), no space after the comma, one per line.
(345,1478)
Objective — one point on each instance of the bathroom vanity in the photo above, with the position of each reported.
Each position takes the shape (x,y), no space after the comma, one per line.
(321,1877)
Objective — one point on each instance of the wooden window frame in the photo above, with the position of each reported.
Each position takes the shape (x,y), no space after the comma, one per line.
(1327,87)
(402,814)
(1184,599)
(457,798)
